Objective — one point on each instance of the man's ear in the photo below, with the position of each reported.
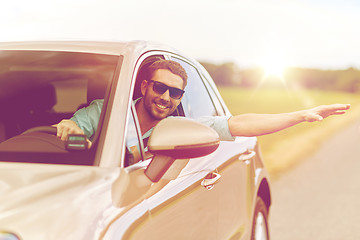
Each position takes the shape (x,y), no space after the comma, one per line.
(143,87)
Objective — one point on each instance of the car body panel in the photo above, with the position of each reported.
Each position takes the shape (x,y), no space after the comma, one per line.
(109,201)
(184,206)
(42,201)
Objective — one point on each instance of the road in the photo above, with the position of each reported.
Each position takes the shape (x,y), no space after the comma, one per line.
(320,198)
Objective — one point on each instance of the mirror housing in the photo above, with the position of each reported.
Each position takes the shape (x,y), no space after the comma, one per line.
(5,235)
(178,138)
(183,138)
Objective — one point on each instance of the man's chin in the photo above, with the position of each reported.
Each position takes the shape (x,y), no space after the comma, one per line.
(160,116)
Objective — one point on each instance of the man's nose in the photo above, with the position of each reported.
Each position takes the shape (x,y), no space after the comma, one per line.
(166,95)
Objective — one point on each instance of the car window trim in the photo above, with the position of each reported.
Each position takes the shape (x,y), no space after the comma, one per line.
(214,97)
(132,108)
(100,133)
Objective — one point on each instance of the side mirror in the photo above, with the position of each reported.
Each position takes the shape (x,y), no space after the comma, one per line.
(178,138)
(4,235)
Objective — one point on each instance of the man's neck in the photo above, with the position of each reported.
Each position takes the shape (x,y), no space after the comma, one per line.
(145,120)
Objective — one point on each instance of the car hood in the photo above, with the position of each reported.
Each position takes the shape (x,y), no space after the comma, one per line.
(40,201)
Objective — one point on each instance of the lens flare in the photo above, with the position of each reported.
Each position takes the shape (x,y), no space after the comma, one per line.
(274,66)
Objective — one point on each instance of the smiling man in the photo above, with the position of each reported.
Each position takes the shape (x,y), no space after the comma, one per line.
(162,91)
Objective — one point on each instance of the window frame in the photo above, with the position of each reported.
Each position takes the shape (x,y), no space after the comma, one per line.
(145,158)
(212,93)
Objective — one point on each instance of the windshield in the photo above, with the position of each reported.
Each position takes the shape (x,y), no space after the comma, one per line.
(40,88)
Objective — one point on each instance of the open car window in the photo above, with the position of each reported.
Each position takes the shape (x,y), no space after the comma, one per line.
(40,88)
(196,101)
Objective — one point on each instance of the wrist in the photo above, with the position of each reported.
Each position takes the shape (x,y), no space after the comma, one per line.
(302,116)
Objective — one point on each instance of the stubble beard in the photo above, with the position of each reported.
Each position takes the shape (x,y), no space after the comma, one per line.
(150,106)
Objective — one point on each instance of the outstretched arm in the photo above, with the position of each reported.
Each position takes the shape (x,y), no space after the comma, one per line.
(250,125)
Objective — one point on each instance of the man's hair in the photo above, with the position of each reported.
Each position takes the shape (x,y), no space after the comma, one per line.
(170,65)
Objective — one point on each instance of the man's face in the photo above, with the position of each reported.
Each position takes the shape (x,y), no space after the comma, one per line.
(160,106)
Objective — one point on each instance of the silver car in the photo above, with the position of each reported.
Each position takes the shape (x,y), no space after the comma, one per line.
(189,185)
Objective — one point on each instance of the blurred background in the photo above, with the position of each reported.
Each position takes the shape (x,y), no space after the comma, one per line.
(270,33)
(266,56)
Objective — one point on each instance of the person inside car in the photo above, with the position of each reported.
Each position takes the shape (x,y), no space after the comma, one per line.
(162,92)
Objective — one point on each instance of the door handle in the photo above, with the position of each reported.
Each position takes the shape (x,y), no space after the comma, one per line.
(210,180)
(246,156)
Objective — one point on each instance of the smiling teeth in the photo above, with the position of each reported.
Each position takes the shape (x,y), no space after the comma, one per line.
(161,106)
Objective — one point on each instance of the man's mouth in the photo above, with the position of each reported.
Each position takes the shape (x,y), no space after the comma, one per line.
(161,106)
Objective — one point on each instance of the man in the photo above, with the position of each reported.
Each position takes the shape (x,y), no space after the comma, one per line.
(162,92)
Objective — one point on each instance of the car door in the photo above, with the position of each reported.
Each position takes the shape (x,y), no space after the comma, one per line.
(233,160)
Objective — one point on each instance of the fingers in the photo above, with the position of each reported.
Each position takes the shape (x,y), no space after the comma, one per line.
(313,117)
(59,129)
(89,143)
(318,118)
(337,107)
(339,112)
(321,112)
(344,106)
(334,109)
(66,127)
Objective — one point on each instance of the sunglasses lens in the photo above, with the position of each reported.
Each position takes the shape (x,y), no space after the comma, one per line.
(159,88)
(175,93)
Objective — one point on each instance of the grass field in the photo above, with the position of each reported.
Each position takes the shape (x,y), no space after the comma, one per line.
(284,149)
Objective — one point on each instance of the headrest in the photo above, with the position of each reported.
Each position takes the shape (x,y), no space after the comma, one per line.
(39,98)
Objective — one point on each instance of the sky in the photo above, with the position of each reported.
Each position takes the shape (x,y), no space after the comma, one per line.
(300,33)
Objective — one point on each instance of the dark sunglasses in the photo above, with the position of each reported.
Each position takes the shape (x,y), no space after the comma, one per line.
(161,88)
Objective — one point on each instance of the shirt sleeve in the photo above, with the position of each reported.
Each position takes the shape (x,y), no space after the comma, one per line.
(87,118)
(219,124)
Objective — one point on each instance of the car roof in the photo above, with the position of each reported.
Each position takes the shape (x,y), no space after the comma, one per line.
(103,47)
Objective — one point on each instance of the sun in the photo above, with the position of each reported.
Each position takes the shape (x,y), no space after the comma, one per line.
(274,65)
(274,69)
